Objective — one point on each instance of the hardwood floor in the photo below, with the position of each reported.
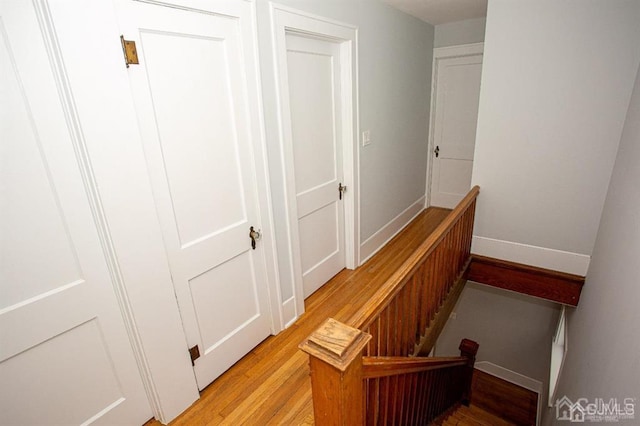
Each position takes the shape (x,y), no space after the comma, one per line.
(270,385)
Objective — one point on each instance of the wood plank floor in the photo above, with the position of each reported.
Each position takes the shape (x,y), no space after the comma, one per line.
(270,385)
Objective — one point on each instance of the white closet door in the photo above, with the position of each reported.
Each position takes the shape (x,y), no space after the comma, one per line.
(313,69)
(65,357)
(457,92)
(192,101)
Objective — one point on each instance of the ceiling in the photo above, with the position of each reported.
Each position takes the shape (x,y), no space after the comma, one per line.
(438,12)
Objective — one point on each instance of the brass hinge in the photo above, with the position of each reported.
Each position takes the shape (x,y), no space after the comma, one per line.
(130,52)
(194,353)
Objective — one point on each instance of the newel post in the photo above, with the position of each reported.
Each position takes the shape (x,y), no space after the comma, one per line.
(468,349)
(335,359)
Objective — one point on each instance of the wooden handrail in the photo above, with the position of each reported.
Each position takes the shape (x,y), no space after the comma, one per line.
(393,285)
(393,324)
(403,315)
(383,366)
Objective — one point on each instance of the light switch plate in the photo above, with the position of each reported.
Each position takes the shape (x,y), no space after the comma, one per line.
(366,137)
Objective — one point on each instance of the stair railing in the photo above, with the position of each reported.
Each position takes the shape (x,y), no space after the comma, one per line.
(400,313)
(350,363)
(351,389)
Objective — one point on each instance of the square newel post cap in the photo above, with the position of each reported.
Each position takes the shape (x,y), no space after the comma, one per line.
(335,343)
(468,348)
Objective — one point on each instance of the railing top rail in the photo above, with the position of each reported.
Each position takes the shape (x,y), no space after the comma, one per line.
(393,284)
(383,366)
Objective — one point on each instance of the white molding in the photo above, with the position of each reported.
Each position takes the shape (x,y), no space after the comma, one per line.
(264,185)
(559,350)
(289,311)
(510,376)
(471,49)
(77,137)
(294,13)
(557,260)
(285,19)
(442,53)
(375,242)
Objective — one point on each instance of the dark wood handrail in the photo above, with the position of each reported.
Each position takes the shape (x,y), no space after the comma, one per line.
(394,284)
(383,366)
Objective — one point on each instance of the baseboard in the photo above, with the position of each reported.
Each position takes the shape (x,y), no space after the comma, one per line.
(521,380)
(510,376)
(556,260)
(555,286)
(289,311)
(375,242)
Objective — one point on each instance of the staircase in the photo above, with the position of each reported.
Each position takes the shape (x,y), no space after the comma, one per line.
(372,369)
(470,416)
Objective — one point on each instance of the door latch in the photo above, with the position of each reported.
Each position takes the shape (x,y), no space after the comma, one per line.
(255,236)
(437,151)
(341,189)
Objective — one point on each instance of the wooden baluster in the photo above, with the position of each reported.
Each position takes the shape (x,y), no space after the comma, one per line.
(373,407)
(460,245)
(393,328)
(418,304)
(384,400)
(412,306)
(433,282)
(374,330)
(385,329)
(335,359)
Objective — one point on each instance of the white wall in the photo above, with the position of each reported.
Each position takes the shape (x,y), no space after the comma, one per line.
(556,82)
(394,54)
(603,348)
(514,330)
(460,32)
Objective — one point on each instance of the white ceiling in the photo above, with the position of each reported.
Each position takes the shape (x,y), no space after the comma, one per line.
(438,12)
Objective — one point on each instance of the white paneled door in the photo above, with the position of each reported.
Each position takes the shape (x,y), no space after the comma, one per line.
(456,96)
(314,84)
(193,102)
(65,356)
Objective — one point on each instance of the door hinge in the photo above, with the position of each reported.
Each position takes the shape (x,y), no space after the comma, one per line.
(194,353)
(130,52)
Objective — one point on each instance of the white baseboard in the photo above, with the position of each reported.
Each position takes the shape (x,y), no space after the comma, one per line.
(390,230)
(289,311)
(557,260)
(510,376)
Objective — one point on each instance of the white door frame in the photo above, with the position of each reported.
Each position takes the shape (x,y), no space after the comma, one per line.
(440,53)
(287,20)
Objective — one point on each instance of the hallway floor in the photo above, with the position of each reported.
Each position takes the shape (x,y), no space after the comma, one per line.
(270,385)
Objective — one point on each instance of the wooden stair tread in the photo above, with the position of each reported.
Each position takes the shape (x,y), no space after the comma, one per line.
(473,416)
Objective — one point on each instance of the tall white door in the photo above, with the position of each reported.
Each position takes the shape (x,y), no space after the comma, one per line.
(65,357)
(192,100)
(457,92)
(313,68)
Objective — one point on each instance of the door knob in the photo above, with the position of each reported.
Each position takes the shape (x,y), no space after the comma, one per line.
(341,189)
(255,236)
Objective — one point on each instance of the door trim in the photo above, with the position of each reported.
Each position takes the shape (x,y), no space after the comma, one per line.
(440,53)
(288,20)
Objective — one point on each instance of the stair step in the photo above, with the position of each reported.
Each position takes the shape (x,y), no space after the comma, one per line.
(473,416)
